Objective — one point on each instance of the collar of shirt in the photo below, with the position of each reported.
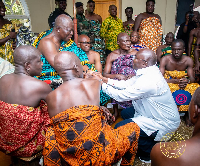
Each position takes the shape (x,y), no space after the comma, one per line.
(112,18)
(145,70)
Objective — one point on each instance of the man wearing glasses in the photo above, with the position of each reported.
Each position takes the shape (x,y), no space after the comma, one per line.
(93,56)
(154,109)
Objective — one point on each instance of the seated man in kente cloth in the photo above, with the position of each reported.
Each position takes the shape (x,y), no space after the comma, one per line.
(165,49)
(23,113)
(119,65)
(55,40)
(135,43)
(93,56)
(79,132)
(182,152)
(154,109)
(178,72)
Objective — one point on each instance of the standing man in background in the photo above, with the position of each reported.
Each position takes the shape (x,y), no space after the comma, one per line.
(129,24)
(110,29)
(149,26)
(83,24)
(60,9)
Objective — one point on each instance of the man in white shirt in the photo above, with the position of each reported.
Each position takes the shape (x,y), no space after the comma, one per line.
(154,110)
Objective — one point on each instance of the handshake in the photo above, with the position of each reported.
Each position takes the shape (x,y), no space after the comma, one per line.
(95,75)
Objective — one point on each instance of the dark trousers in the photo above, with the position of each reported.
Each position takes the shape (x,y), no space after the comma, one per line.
(145,143)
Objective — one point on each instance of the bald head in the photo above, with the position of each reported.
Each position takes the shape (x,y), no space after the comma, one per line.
(148,55)
(66,60)
(63,19)
(23,54)
(121,35)
(82,37)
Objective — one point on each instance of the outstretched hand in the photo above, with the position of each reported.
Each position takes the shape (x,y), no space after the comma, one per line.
(108,116)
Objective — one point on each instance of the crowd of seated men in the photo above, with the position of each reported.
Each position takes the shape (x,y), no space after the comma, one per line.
(53,94)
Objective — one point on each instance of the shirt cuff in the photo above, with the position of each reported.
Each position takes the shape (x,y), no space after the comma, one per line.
(104,87)
(111,82)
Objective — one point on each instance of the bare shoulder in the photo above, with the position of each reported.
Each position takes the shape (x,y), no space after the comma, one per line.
(166,58)
(94,53)
(92,84)
(188,59)
(5,79)
(156,155)
(98,17)
(112,55)
(45,42)
(193,31)
(156,15)
(155,150)
(161,47)
(141,15)
(91,81)
(38,85)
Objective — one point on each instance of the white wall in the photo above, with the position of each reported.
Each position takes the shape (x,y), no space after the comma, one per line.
(41,9)
(39,13)
(165,8)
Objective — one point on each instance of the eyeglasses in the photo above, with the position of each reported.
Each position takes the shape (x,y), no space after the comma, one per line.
(85,42)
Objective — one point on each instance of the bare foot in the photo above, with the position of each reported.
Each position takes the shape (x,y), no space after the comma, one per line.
(187,120)
(115,109)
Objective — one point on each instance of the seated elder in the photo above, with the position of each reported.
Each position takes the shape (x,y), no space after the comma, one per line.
(79,132)
(55,40)
(23,113)
(135,43)
(182,152)
(93,56)
(119,65)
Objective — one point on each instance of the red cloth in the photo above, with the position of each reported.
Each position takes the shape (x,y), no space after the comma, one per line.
(22,128)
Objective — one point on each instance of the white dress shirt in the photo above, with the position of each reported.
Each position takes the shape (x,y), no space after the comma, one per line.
(154,105)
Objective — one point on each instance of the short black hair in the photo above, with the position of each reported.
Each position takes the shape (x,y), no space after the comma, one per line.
(151,1)
(90,1)
(179,41)
(78,4)
(129,8)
